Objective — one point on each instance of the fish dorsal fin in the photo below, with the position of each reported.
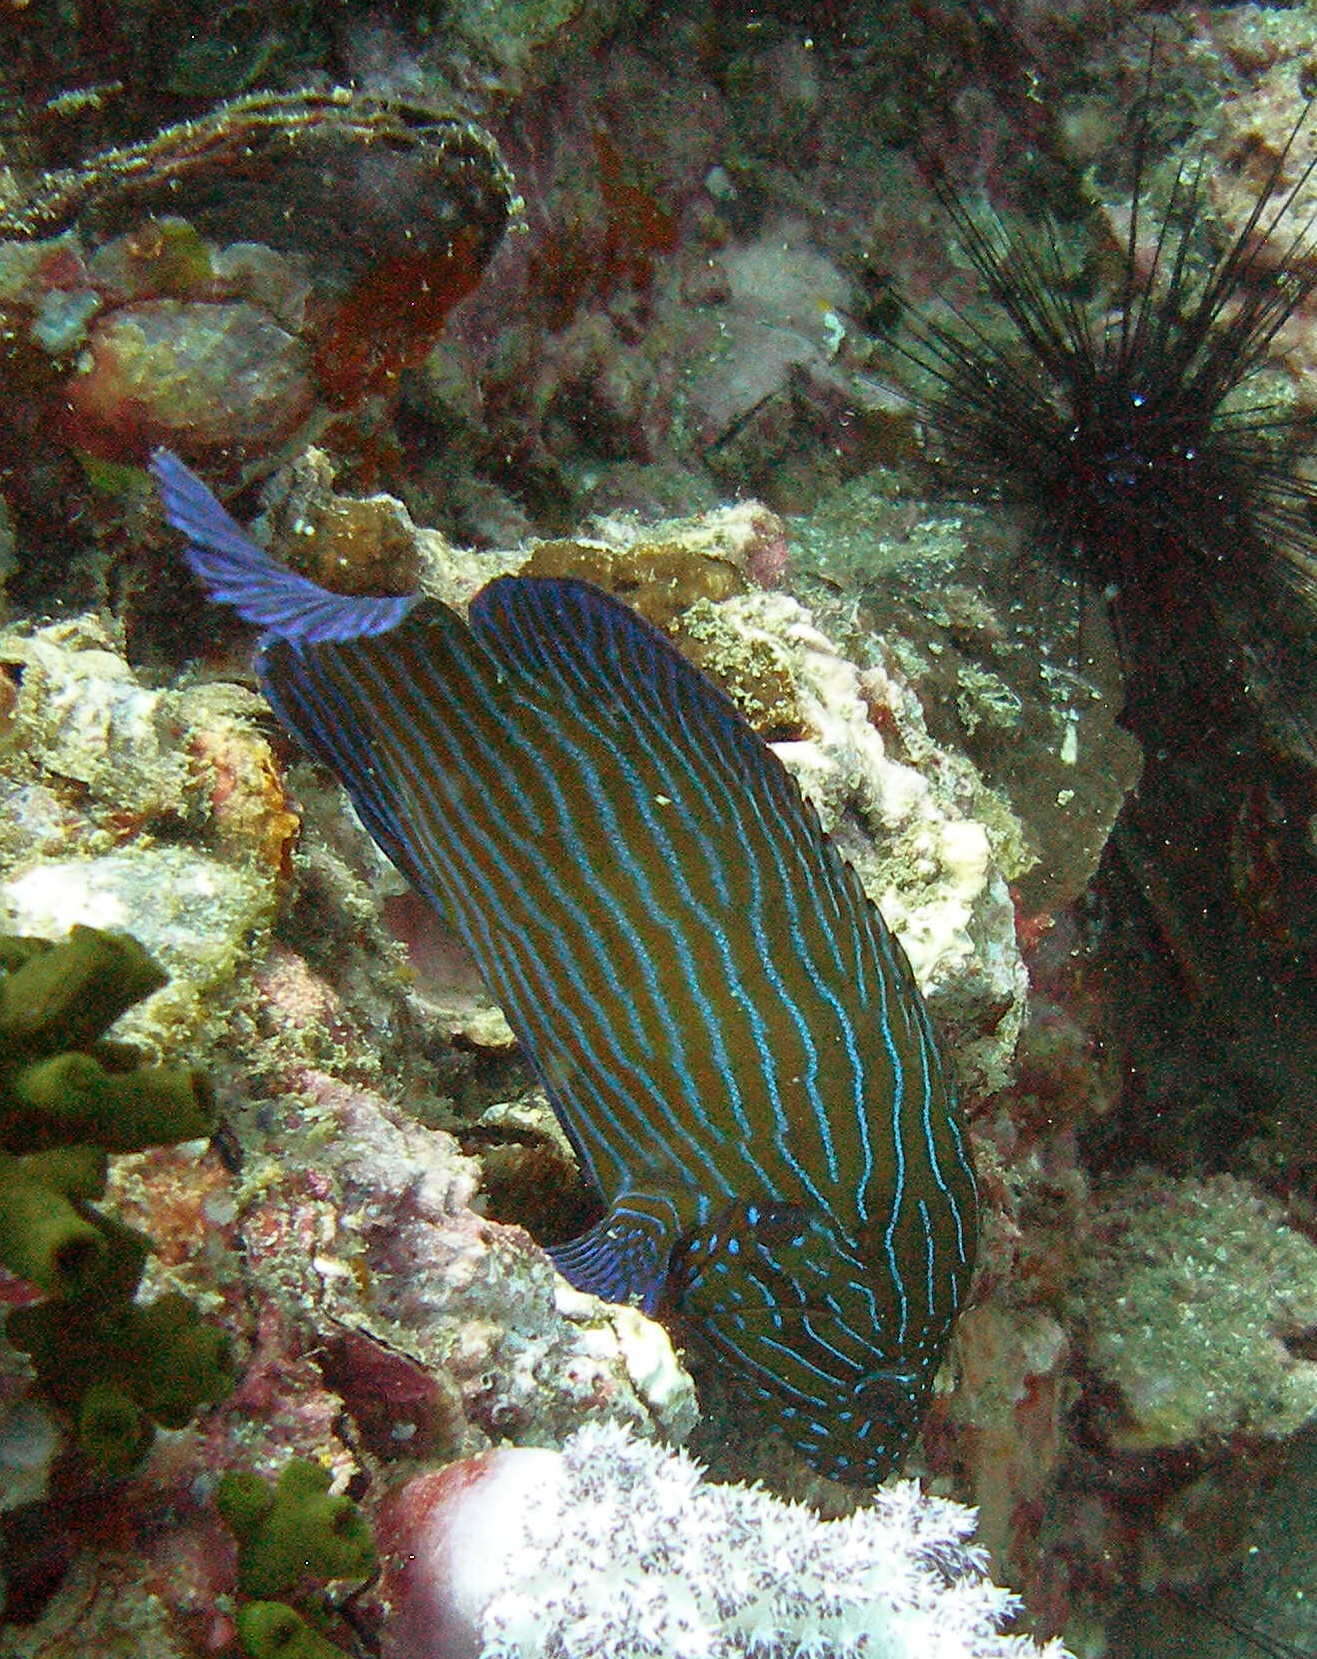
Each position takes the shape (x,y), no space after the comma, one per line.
(573,636)
(565,629)
(624,1257)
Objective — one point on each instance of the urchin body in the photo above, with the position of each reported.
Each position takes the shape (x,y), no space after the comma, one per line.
(1133,439)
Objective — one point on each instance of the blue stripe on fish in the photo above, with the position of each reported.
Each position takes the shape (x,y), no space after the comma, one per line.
(727,1030)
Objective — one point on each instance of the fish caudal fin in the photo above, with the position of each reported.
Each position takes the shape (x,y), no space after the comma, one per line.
(234,571)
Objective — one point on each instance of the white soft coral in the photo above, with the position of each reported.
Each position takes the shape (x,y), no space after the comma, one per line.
(615,1548)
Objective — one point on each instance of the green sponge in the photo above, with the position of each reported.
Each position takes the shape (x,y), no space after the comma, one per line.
(63,996)
(72,1097)
(46,1235)
(293,1529)
(69,1097)
(273,1630)
(61,1084)
(112,1430)
(162,1357)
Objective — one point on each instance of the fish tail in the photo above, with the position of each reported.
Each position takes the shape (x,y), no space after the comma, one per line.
(234,571)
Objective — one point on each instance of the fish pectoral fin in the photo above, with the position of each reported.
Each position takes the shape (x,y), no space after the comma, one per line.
(624,1257)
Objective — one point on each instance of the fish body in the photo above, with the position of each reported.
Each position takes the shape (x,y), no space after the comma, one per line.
(728,1032)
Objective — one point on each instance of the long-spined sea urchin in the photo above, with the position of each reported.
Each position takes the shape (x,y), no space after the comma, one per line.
(1127,436)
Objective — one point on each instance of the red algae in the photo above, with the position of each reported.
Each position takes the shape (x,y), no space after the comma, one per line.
(354,357)
(167,292)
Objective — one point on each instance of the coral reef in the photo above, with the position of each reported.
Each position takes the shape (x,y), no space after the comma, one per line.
(613,1547)
(1030,692)
(725,209)
(442,1331)
(155,294)
(155,811)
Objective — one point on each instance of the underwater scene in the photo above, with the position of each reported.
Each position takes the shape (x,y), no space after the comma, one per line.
(658,830)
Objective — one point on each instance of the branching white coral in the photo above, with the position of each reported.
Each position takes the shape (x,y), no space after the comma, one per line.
(626,1553)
